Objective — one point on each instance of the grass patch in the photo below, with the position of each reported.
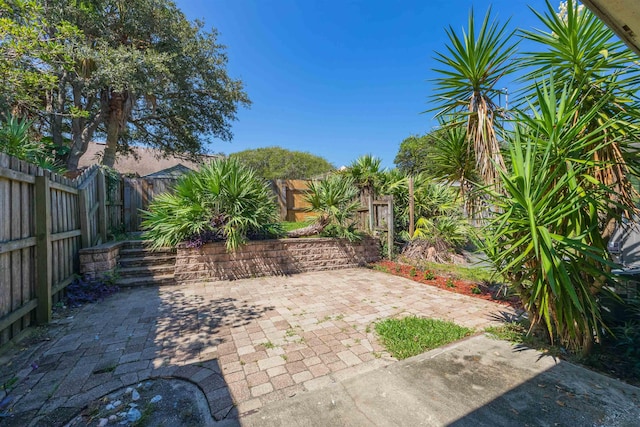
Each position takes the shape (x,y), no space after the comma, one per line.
(414,335)
(512,332)
(290,226)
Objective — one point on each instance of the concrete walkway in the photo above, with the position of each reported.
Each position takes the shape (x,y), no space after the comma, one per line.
(476,382)
(245,343)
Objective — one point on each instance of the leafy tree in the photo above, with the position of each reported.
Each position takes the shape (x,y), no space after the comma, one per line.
(414,154)
(224,200)
(279,163)
(136,71)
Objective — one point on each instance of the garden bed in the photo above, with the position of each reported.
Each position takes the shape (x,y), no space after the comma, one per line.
(477,289)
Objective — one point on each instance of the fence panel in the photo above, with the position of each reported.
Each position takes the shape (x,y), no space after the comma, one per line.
(138,194)
(290,194)
(40,236)
(17,246)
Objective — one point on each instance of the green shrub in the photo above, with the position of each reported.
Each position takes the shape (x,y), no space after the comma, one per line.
(428,275)
(224,200)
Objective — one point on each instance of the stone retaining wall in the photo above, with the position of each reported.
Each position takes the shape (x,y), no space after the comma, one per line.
(98,261)
(272,257)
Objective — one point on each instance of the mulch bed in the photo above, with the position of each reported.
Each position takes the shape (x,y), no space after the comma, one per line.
(483,290)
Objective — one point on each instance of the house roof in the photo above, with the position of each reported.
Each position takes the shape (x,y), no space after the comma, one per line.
(149,160)
(172,172)
(622,16)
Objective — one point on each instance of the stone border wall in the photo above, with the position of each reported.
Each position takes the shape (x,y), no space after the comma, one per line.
(98,261)
(272,257)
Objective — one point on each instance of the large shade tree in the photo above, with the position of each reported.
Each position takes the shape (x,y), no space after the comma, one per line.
(135,71)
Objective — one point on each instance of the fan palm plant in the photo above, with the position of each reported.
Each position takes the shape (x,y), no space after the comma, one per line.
(365,171)
(223,200)
(472,67)
(334,200)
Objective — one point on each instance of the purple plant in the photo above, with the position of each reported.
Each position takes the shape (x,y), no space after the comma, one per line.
(85,290)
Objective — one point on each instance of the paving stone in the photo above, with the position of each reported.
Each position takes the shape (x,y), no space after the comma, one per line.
(271,362)
(139,338)
(261,389)
(301,377)
(131,367)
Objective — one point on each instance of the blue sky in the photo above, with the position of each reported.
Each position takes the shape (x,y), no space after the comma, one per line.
(338,78)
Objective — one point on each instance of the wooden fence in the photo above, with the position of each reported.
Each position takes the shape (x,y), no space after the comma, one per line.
(290,195)
(44,221)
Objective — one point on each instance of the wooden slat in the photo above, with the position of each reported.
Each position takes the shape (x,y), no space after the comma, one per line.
(62,187)
(63,284)
(16,176)
(65,235)
(15,315)
(14,245)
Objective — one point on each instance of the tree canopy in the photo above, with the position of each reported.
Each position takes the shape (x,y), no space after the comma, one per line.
(131,72)
(279,163)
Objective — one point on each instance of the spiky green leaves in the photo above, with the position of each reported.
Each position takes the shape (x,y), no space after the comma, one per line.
(223,196)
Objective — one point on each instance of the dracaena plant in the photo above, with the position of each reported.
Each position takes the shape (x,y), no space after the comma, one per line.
(545,235)
(466,91)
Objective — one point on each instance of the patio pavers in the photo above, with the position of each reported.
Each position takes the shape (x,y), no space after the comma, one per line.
(244,343)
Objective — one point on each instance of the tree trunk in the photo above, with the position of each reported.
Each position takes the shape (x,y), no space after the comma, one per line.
(113,123)
(82,129)
(310,230)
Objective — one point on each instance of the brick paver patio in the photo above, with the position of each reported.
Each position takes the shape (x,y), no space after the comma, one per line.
(244,342)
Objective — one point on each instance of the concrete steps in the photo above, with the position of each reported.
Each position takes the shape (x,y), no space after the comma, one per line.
(140,266)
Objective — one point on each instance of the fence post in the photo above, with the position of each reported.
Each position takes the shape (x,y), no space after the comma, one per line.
(43,249)
(102,206)
(390,228)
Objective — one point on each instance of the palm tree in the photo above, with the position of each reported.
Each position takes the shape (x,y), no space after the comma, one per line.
(365,171)
(473,65)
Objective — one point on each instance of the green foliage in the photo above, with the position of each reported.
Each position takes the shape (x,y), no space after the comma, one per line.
(132,71)
(413,335)
(366,172)
(472,66)
(278,163)
(428,275)
(18,140)
(553,254)
(224,199)
(579,54)
(334,200)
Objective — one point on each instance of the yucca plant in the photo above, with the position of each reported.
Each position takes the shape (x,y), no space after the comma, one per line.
(545,236)
(472,66)
(578,51)
(223,200)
